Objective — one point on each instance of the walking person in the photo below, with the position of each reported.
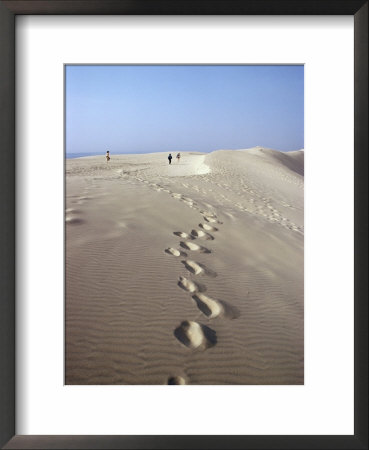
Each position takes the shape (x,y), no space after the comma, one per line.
(178,156)
(107,156)
(170,158)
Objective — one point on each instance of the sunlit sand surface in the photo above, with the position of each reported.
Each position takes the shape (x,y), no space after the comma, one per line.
(189,273)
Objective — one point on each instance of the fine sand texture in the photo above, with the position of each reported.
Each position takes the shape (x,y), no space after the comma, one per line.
(189,273)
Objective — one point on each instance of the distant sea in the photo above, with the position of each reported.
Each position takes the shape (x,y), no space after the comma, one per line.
(79,155)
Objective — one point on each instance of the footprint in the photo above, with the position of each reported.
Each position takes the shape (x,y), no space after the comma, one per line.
(193,267)
(194,247)
(207,227)
(72,210)
(197,268)
(215,308)
(195,335)
(201,234)
(190,204)
(175,252)
(190,286)
(73,220)
(176,380)
(182,234)
(211,308)
(211,219)
(208,214)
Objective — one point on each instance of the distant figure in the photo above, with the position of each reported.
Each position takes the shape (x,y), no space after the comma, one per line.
(107,156)
(178,156)
(170,158)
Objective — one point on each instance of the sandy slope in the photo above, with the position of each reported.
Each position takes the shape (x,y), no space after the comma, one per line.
(190,273)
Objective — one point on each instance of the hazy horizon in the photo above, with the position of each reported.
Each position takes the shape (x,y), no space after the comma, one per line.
(103,153)
(150,109)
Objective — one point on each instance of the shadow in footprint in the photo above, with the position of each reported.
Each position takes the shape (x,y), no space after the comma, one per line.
(182,234)
(176,380)
(193,267)
(194,247)
(198,268)
(215,308)
(74,220)
(195,335)
(201,234)
(72,211)
(212,220)
(190,286)
(174,252)
(207,227)
(203,307)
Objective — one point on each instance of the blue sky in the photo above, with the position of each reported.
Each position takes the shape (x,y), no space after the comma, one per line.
(144,109)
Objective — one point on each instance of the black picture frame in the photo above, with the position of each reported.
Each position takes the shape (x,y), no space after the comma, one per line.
(8,12)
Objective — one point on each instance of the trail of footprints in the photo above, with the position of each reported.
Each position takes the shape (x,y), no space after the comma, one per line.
(259,205)
(194,335)
(73,215)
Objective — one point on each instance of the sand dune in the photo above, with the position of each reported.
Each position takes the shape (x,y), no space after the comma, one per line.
(189,273)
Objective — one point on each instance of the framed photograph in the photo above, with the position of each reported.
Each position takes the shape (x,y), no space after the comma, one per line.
(184,202)
(188,209)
